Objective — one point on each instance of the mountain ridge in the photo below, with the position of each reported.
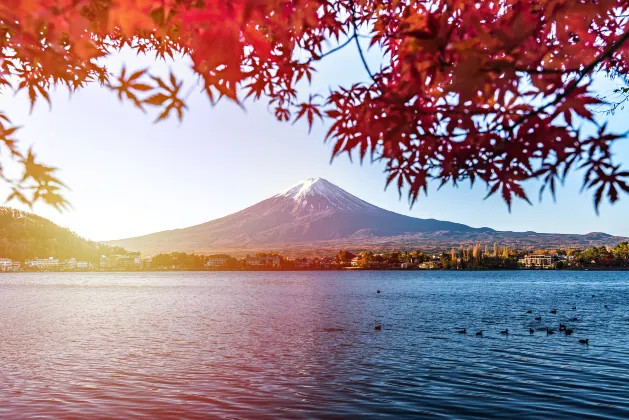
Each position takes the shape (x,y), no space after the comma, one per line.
(25,235)
(316,213)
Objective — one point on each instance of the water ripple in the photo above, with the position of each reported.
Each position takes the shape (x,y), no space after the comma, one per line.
(303,345)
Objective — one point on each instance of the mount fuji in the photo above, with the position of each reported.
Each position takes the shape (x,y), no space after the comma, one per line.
(316,214)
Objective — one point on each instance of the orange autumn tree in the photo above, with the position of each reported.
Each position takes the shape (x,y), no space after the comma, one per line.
(497,91)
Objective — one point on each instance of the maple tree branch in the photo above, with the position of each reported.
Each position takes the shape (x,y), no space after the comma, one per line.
(332,51)
(340,47)
(355,36)
(525,61)
(609,51)
(582,74)
(362,57)
(532,71)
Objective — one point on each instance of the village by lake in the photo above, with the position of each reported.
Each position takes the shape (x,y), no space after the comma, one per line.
(475,257)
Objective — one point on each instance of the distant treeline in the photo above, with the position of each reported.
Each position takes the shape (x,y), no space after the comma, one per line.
(486,257)
(471,257)
(25,236)
(463,257)
(602,256)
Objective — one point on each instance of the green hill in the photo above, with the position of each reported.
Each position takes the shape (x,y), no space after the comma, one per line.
(24,235)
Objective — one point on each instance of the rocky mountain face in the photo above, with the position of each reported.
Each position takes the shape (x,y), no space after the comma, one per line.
(316,213)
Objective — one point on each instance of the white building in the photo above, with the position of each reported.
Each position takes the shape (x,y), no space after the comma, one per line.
(43,263)
(539,261)
(83,265)
(430,265)
(217,261)
(70,264)
(5,264)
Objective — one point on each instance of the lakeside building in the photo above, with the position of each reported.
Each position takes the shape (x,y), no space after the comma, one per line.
(9,265)
(53,264)
(257,262)
(215,261)
(49,263)
(83,265)
(147,262)
(355,262)
(122,262)
(430,265)
(70,264)
(5,264)
(539,261)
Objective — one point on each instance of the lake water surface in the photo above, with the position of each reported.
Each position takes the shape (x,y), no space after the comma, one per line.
(304,344)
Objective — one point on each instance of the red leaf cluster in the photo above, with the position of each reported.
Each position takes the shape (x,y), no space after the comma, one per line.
(495,91)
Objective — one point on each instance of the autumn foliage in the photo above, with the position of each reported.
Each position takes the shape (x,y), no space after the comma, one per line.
(497,91)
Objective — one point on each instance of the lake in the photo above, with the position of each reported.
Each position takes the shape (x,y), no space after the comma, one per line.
(304,344)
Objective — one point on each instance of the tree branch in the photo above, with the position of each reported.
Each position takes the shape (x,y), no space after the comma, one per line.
(332,51)
(355,36)
(609,51)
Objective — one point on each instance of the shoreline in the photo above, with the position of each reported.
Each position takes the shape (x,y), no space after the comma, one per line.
(293,270)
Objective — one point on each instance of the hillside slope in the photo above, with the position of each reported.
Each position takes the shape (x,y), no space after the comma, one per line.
(25,235)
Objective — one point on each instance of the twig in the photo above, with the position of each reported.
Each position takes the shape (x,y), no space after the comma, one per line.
(585,72)
(355,36)
(333,50)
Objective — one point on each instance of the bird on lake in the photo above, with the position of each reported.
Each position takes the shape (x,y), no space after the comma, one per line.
(505,332)
(574,308)
(562,327)
(378,327)
(568,332)
(586,341)
(538,318)
(575,319)
(549,332)
(463,331)
(529,312)
(378,291)
(531,330)
(479,333)
(554,311)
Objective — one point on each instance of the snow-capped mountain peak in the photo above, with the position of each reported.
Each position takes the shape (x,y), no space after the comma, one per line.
(319,193)
(310,186)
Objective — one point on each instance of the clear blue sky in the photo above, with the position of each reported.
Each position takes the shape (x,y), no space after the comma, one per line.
(130,177)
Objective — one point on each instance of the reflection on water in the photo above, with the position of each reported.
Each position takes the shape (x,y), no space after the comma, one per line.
(304,344)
